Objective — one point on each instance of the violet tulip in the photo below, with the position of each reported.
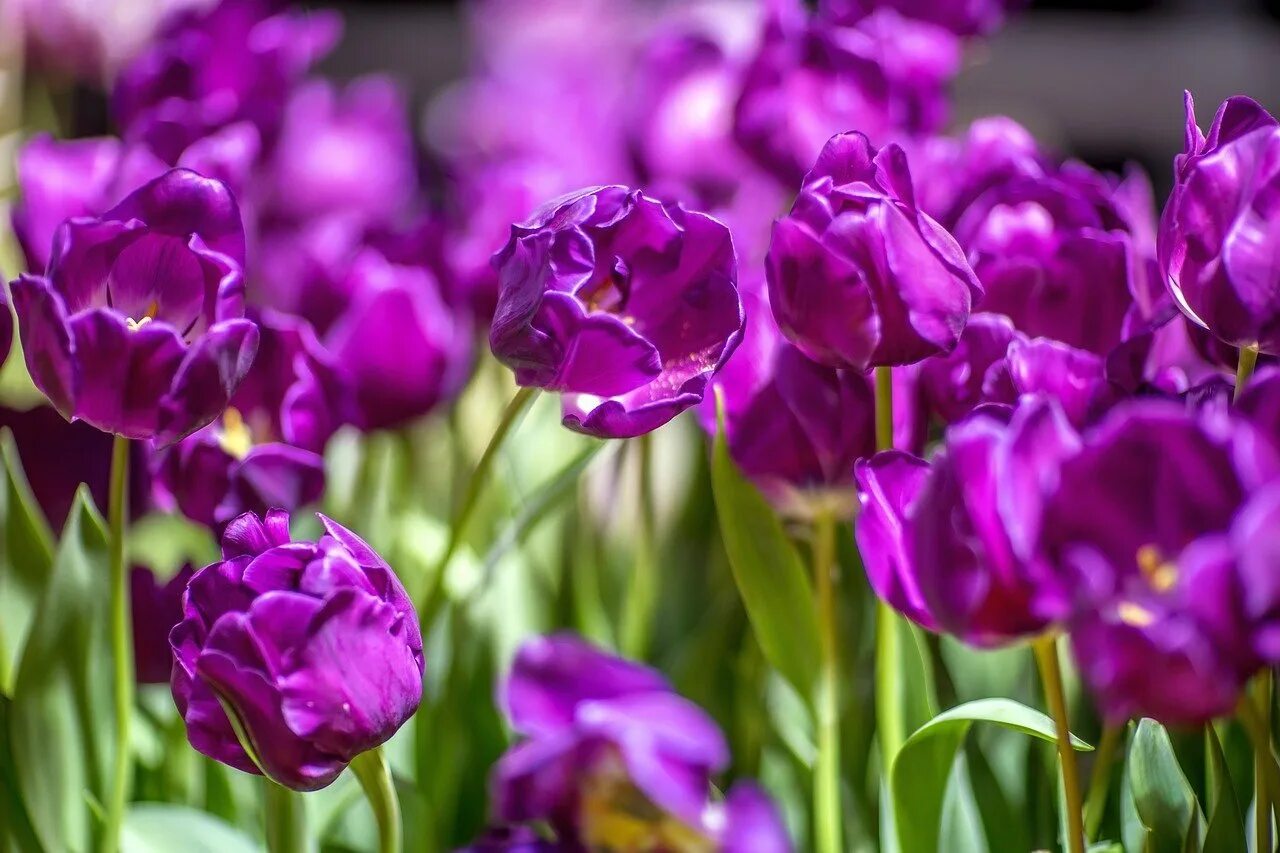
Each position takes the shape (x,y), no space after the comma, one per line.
(1156,527)
(612,757)
(1220,226)
(137,328)
(313,648)
(963,17)
(624,305)
(858,276)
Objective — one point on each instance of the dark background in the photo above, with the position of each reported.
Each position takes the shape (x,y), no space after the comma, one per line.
(1100,80)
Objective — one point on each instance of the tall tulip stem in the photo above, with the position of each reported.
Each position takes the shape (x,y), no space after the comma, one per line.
(121,644)
(375,778)
(1095,806)
(826,788)
(1254,713)
(637,614)
(1245,365)
(286,819)
(1046,652)
(889,726)
(884,408)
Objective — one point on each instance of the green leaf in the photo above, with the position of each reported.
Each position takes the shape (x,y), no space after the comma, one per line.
(159,827)
(165,542)
(1162,797)
(26,560)
(62,719)
(768,572)
(1225,829)
(905,695)
(16,834)
(919,774)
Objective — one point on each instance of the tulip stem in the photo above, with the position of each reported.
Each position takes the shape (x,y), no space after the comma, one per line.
(1046,651)
(884,408)
(1254,712)
(826,787)
(1095,807)
(1245,365)
(121,644)
(375,777)
(286,819)
(470,497)
(637,612)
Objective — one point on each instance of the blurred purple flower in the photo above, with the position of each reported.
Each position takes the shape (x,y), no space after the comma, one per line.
(1221,226)
(624,305)
(138,327)
(266,449)
(156,609)
(270,635)
(884,77)
(963,17)
(858,276)
(603,734)
(207,69)
(346,152)
(514,839)
(948,543)
(1149,529)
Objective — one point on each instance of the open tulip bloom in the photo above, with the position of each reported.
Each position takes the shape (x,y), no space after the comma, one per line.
(898,418)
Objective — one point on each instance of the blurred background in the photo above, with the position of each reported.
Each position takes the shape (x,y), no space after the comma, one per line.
(1098,79)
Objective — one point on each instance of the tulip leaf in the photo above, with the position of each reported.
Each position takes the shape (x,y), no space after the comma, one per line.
(26,560)
(156,828)
(924,764)
(62,720)
(1162,797)
(769,574)
(1225,828)
(16,834)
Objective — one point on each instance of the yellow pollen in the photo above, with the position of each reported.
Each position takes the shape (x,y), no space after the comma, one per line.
(1160,574)
(234,436)
(1135,614)
(618,817)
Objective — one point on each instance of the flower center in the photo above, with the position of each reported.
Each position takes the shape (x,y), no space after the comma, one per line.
(234,436)
(619,818)
(152,310)
(1159,573)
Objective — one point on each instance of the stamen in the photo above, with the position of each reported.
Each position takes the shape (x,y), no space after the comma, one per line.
(1135,614)
(234,437)
(1159,573)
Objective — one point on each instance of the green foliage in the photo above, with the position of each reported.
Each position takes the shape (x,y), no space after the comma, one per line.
(1163,800)
(26,561)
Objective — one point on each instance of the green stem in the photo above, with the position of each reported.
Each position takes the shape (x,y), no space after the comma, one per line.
(637,613)
(121,645)
(1266,785)
(884,408)
(1245,365)
(826,787)
(1046,652)
(375,778)
(286,819)
(1095,806)
(462,515)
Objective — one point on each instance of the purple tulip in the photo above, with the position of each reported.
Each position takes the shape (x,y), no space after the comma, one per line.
(963,17)
(210,68)
(348,152)
(948,543)
(403,347)
(138,327)
(1221,225)
(858,276)
(624,305)
(794,427)
(884,77)
(58,456)
(603,735)
(313,646)
(514,839)
(1153,529)
(954,384)
(6,328)
(265,451)
(156,609)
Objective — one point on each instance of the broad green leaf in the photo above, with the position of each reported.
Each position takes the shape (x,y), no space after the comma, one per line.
(770,577)
(163,828)
(1162,797)
(961,818)
(26,560)
(919,774)
(62,720)
(1225,828)
(16,834)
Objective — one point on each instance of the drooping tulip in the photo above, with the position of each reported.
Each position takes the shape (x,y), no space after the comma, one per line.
(858,276)
(624,305)
(314,647)
(138,327)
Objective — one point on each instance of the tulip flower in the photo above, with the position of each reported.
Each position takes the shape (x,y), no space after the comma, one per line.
(156,609)
(624,305)
(293,658)
(137,328)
